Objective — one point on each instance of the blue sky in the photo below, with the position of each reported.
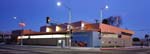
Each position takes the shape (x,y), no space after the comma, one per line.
(135,13)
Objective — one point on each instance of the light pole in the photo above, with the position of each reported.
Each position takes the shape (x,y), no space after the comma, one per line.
(69,21)
(101,12)
(101,19)
(22,25)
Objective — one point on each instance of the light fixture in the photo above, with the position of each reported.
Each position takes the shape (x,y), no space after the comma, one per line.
(58,3)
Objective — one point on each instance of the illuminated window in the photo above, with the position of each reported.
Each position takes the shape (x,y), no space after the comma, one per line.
(48,29)
(43,36)
(59,41)
(82,26)
(23,37)
(69,27)
(58,28)
(50,36)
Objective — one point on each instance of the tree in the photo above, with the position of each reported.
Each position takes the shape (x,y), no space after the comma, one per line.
(113,20)
(105,21)
(146,36)
(136,39)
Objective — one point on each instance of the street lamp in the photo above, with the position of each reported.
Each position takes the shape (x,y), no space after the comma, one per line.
(58,3)
(22,25)
(101,12)
(69,22)
(101,19)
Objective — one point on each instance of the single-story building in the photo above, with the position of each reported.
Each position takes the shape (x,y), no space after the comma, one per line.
(82,34)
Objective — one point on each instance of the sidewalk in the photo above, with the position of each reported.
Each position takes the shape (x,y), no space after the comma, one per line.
(126,48)
(76,48)
(73,50)
(58,47)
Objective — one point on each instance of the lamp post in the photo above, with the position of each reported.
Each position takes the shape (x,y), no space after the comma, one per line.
(69,21)
(22,25)
(101,19)
(101,12)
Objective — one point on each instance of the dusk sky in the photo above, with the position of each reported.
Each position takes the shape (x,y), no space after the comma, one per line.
(135,14)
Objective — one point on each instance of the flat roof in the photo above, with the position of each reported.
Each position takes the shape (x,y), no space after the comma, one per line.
(44,33)
(61,32)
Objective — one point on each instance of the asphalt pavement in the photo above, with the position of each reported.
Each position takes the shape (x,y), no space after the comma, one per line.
(30,49)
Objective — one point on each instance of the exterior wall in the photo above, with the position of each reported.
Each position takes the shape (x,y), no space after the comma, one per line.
(46,28)
(78,25)
(46,41)
(126,37)
(43,29)
(52,28)
(90,38)
(112,40)
(128,40)
(92,26)
(43,38)
(96,39)
(63,27)
(85,37)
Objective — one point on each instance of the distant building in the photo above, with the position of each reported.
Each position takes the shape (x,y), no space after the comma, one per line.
(142,42)
(16,33)
(5,37)
(84,34)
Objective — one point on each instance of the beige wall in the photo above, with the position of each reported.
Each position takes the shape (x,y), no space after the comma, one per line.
(112,40)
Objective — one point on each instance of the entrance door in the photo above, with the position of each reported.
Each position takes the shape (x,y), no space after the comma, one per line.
(61,43)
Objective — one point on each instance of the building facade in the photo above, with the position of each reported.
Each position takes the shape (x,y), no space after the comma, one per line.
(83,34)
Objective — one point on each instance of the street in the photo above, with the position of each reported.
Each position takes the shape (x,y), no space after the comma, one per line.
(16,49)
